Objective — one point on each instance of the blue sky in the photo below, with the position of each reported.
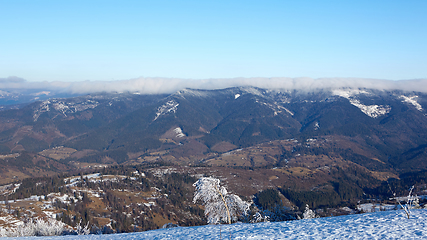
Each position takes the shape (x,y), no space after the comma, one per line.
(115,40)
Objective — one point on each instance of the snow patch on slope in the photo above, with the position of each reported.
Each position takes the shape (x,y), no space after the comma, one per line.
(316,126)
(236,96)
(43,107)
(63,107)
(252,90)
(170,106)
(372,111)
(193,92)
(96,178)
(275,107)
(178,132)
(287,110)
(9,189)
(412,101)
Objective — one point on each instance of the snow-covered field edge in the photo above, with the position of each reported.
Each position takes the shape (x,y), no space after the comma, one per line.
(378,225)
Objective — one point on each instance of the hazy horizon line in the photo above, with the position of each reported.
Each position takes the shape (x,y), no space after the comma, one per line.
(159,85)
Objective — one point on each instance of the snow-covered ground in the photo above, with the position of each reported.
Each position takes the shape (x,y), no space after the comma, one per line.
(378,225)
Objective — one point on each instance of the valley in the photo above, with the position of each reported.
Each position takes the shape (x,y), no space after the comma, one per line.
(126,162)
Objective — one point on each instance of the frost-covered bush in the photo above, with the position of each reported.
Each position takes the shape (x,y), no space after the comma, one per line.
(219,204)
(277,214)
(37,227)
(3,233)
(170,225)
(259,217)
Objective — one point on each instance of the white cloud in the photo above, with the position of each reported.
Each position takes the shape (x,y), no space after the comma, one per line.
(169,85)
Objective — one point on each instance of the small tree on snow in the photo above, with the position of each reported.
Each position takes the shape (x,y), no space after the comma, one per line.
(219,204)
(411,202)
(82,230)
(308,213)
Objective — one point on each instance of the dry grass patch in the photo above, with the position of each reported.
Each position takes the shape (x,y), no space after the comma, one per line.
(97,204)
(273,178)
(298,171)
(135,197)
(58,153)
(159,220)
(383,176)
(102,221)
(223,147)
(11,175)
(13,155)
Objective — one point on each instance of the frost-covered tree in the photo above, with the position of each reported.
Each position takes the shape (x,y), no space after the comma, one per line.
(219,204)
(308,213)
(411,202)
(80,230)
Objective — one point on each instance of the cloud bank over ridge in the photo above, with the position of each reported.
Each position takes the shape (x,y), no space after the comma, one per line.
(170,85)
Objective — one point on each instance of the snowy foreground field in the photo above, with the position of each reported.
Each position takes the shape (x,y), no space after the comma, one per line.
(379,225)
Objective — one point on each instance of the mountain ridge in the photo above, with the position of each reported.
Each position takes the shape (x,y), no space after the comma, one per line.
(388,124)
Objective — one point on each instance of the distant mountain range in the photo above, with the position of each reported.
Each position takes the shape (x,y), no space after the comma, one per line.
(382,131)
